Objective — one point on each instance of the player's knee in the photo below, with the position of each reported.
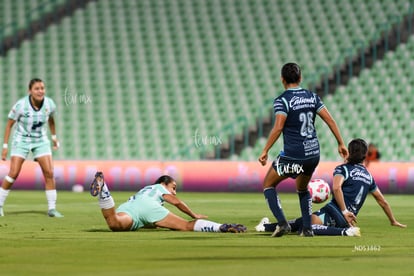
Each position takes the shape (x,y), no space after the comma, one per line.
(269,184)
(13,174)
(316,220)
(115,226)
(48,174)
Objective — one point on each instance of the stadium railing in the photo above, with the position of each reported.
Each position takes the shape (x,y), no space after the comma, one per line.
(13,33)
(347,65)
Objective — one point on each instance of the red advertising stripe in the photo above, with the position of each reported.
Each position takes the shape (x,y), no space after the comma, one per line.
(201,176)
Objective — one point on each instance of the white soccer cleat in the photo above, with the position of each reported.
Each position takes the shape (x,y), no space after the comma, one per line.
(260,227)
(1,212)
(353,232)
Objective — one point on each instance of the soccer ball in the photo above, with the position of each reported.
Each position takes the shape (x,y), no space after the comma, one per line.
(77,188)
(319,190)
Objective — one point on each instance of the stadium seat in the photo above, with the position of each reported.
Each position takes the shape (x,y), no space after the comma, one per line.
(155,66)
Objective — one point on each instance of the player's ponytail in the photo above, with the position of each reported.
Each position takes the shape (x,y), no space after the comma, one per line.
(358,149)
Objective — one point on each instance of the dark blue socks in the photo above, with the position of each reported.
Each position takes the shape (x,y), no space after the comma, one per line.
(273,202)
(322,230)
(305,201)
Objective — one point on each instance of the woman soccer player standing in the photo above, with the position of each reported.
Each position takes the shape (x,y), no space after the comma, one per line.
(295,111)
(31,114)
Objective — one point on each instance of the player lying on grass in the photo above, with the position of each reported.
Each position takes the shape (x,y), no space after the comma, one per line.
(351,184)
(145,209)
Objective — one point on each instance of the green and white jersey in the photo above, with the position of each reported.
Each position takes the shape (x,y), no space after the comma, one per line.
(31,124)
(152,192)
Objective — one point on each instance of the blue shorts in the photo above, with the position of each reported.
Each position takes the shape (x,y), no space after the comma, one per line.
(332,216)
(290,167)
(143,212)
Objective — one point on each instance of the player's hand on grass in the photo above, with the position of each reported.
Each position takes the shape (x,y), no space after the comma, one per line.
(396,223)
(350,218)
(200,216)
(263,158)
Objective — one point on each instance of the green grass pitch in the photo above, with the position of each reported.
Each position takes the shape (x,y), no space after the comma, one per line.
(80,243)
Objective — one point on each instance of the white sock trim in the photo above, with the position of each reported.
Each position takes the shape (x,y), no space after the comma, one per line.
(106,203)
(202,225)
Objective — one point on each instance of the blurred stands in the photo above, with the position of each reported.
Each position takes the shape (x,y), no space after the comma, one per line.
(146,79)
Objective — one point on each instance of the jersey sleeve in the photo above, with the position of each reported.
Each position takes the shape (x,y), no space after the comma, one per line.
(341,170)
(280,106)
(162,190)
(319,103)
(15,112)
(52,105)
(373,187)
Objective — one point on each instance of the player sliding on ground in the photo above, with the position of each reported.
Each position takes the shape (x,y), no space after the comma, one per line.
(145,209)
(351,184)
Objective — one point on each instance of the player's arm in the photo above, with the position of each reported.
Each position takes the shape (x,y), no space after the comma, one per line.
(379,197)
(7,132)
(52,128)
(173,200)
(273,136)
(329,120)
(338,180)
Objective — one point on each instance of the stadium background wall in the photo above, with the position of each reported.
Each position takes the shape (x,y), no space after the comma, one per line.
(205,176)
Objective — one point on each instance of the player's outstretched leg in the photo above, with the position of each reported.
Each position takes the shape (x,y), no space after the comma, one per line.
(261,226)
(352,232)
(98,188)
(266,226)
(323,230)
(115,222)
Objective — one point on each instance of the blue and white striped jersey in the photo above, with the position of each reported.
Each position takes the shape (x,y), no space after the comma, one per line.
(31,123)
